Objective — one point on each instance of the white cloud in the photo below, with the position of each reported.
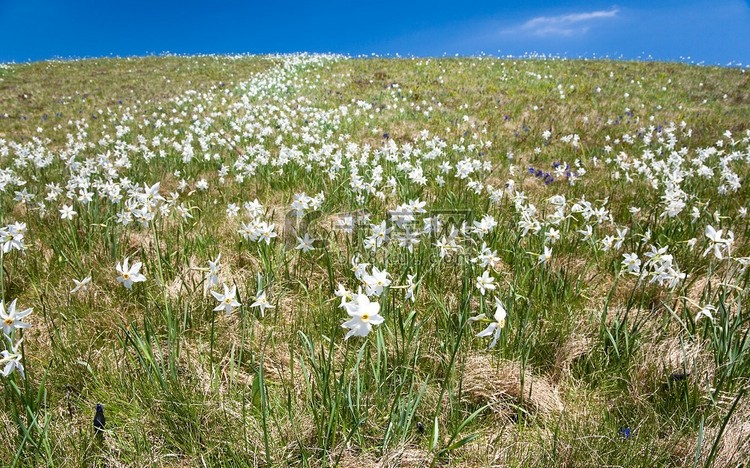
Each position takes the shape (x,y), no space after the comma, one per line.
(571,24)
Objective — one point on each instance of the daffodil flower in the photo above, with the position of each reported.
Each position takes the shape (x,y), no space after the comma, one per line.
(706,311)
(376,282)
(11,319)
(213,272)
(305,244)
(66,212)
(494,328)
(227,301)
(261,301)
(364,314)
(485,282)
(81,285)
(11,360)
(129,274)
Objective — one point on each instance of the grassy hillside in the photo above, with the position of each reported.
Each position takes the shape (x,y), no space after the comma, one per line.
(381,262)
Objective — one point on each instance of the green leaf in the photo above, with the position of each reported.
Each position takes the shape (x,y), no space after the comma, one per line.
(255,392)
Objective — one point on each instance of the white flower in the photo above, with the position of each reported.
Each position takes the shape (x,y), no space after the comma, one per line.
(227,301)
(359,268)
(376,282)
(706,311)
(632,263)
(410,288)
(586,233)
(261,301)
(485,282)
(345,224)
(254,208)
(494,328)
(545,256)
(305,244)
(717,243)
(67,212)
(183,211)
(11,319)
(344,294)
(11,237)
(81,285)
(486,257)
(364,314)
(620,237)
(552,235)
(266,231)
(12,359)
(213,272)
(232,210)
(129,274)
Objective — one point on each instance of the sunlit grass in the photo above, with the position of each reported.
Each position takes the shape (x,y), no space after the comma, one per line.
(244,361)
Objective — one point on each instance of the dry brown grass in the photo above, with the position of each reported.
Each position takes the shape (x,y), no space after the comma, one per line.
(504,383)
(734,446)
(187,280)
(406,457)
(142,240)
(668,359)
(350,458)
(576,346)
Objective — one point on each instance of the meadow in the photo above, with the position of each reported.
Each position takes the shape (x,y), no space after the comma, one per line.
(315,260)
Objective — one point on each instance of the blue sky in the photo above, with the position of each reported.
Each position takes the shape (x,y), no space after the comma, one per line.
(713,32)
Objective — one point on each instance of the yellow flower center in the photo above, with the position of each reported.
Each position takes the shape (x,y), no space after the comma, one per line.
(365,317)
(125,276)
(9,321)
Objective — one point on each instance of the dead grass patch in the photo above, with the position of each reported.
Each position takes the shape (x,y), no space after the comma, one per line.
(504,383)
(669,360)
(576,346)
(405,456)
(734,446)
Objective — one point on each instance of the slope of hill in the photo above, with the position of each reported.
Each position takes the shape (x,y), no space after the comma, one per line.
(313,260)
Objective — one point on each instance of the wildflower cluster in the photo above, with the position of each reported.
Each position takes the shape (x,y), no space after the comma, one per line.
(222,223)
